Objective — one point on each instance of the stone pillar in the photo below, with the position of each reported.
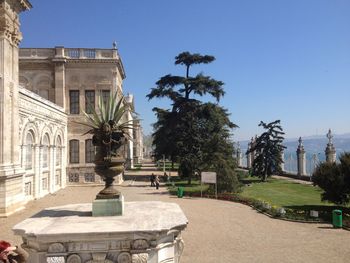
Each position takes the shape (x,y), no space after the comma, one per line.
(301,158)
(52,169)
(239,155)
(60,87)
(249,160)
(330,151)
(10,37)
(63,167)
(282,163)
(23,156)
(129,101)
(11,195)
(252,154)
(37,170)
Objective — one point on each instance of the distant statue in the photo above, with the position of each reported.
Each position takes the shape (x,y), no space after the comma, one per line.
(330,137)
(300,146)
(114,45)
(300,142)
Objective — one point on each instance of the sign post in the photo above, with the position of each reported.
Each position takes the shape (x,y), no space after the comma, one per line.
(210,178)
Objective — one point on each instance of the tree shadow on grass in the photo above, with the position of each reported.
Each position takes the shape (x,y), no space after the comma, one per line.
(251,181)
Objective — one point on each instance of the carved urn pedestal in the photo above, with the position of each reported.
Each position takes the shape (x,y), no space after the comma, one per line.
(109,201)
(147,232)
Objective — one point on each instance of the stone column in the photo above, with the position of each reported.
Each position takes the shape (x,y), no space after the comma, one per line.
(252,154)
(60,86)
(249,160)
(10,37)
(129,101)
(239,155)
(282,163)
(330,151)
(37,171)
(52,169)
(301,158)
(23,156)
(11,196)
(63,167)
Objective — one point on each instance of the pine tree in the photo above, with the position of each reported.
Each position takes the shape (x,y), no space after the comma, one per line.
(185,127)
(268,150)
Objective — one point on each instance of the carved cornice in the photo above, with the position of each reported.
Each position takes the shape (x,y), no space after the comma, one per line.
(9,21)
(18,5)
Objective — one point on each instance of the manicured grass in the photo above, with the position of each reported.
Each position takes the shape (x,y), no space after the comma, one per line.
(194,187)
(297,199)
(282,193)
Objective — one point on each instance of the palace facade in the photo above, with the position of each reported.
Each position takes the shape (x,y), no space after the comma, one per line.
(42,94)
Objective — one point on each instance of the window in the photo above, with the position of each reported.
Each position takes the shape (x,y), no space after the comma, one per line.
(29,151)
(58,151)
(74,101)
(105,95)
(74,151)
(89,101)
(89,177)
(45,152)
(89,151)
(73,178)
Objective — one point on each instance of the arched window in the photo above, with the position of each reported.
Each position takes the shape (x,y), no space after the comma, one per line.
(58,151)
(23,82)
(74,151)
(45,152)
(28,147)
(89,151)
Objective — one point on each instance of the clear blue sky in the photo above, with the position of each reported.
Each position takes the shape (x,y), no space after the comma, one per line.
(279,59)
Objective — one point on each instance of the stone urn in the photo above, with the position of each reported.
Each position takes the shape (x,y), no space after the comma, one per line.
(107,170)
(109,201)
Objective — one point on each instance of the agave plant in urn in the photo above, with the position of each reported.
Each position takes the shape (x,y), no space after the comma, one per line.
(109,134)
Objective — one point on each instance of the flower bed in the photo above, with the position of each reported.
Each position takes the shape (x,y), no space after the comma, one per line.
(264,207)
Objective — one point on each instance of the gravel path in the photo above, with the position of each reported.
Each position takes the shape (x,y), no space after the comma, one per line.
(218,231)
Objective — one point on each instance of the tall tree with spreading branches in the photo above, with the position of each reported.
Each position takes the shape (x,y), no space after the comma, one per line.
(184,125)
(268,149)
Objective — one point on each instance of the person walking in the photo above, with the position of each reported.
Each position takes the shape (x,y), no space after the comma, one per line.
(152,179)
(10,254)
(157,182)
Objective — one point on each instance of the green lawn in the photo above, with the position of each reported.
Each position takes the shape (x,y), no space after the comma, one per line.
(282,192)
(194,187)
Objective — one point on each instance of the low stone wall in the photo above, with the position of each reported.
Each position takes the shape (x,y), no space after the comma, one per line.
(284,174)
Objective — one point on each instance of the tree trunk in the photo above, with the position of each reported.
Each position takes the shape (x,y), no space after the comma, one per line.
(189,180)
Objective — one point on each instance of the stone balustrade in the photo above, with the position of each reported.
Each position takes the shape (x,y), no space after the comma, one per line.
(304,166)
(68,53)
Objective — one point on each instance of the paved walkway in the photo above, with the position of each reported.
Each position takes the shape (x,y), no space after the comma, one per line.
(218,231)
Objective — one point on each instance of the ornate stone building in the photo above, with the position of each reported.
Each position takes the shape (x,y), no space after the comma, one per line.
(42,94)
(75,78)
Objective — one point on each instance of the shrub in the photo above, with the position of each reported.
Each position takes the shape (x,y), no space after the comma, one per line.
(227,180)
(334,179)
